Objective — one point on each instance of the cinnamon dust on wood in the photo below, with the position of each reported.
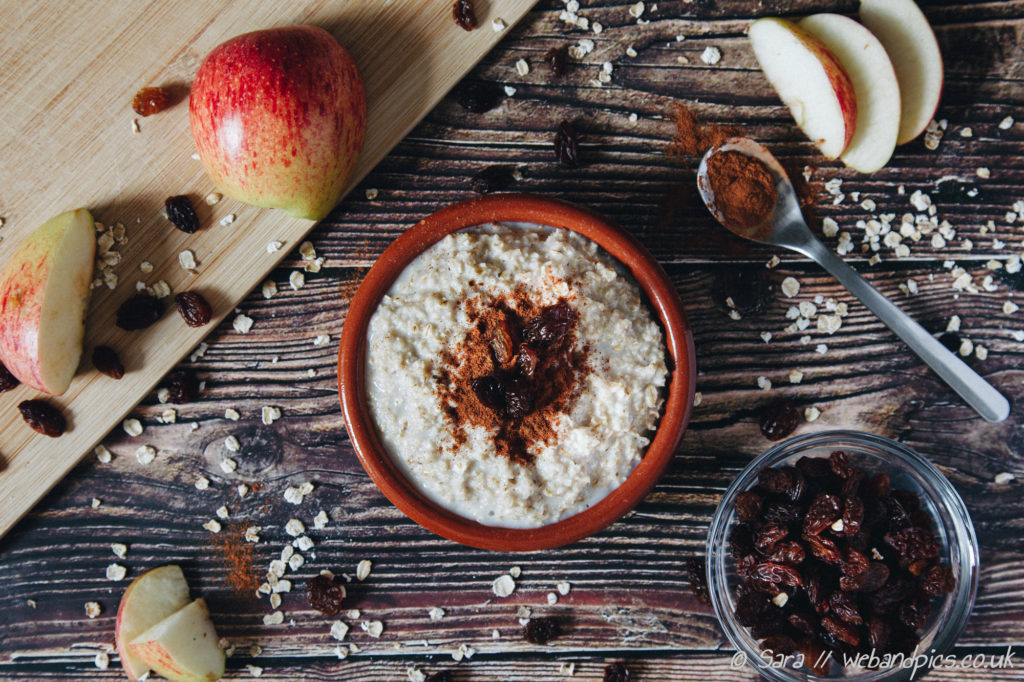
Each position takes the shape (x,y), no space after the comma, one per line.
(694,137)
(492,348)
(238,557)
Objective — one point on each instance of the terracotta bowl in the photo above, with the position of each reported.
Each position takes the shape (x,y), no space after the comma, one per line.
(523,208)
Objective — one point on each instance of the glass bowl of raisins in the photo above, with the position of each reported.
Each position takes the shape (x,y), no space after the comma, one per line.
(841,555)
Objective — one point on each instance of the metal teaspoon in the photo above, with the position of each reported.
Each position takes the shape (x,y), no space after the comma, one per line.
(788,229)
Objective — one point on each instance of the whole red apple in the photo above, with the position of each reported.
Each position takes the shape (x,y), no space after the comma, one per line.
(278,117)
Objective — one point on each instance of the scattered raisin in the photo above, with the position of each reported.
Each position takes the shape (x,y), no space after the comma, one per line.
(555,59)
(193,308)
(696,571)
(823,548)
(183,387)
(139,312)
(526,361)
(479,96)
(616,672)
(777,573)
(766,536)
(567,149)
(42,417)
(464,15)
(790,553)
(325,595)
(492,179)
(7,380)
(779,418)
(542,630)
(748,506)
(840,464)
(104,359)
(181,214)
(149,101)
(840,630)
(550,327)
(842,605)
(938,580)
(915,610)
(869,581)
(823,512)
(518,397)
(489,392)
(774,481)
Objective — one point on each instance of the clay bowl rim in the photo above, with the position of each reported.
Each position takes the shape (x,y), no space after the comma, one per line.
(524,208)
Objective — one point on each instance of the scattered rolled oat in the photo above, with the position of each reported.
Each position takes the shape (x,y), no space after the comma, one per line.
(373,628)
(1004,477)
(222,512)
(983,173)
(228,465)
(322,339)
(296,280)
(275,618)
(522,68)
(363,569)
(339,630)
(498,24)
(563,587)
(698,398)
(275,246)
(711,55)
(145,454)
(213,525)
(119,549)
(811,413)
(567,669)
(31,603)
(269,289)
(1006,123)
(415,674)
(295,528)
(116,572)
(232,444)
(320,520)
(636,11)
(503,585)
(213,198)
(764,383)
(103,455)
(187,260)
(796,376)
(303,543)
(242,323)
(232,414)
(252,534)
(269,414)
(92,609)
(228,219)
(254,670)
(552,598)
(1009,307)
(102,660)
(202,483)
(133,427)
(435,613)
(790,287)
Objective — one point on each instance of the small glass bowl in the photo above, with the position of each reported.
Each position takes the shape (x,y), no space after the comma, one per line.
(908,471)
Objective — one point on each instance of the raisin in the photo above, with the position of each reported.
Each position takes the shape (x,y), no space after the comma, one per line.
(774,480)
(913,543)
(181,214)
(489,392)
(616,672)
(696,571)
(777,573)
(567,149)
(871,580)
(843,606)
(779,418)
(823,512)
(823,549)
(139,312)
(551,326)
(105,360)
(815,468)
(877,486)
(526,361)
(853,515)
(42,417)
(854,563)
(806,623)
(765,537)
(741,541)
(814,655)
(840,630)
(938,580)
(492,179)
(518,397)
(915,610)
(501,345)
(542,630)
(750,607)
(797,484)
(745,566)
(790,553)
(325,595)
(778,644)
(879,634)
(781,512)
(840,464)
(193,308)
(182,387)
(149,101)
(479,96)
(748,506)
(7,380)
(555,59)
(464,15)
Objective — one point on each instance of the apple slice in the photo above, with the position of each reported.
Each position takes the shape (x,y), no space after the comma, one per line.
(44,292)
(914,51)
(810,80)
(183,647)
(874,85)
(153,596)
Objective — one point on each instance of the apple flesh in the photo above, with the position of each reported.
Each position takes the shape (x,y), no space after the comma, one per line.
(810,80)
(278,117)
(44,293)
(908,38)
(150,598)
(874,84)
(183,647)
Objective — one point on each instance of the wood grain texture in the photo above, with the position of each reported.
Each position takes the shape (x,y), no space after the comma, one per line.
(629,599)
(66,122)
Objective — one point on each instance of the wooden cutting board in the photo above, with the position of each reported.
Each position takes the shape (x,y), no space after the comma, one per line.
(68,71)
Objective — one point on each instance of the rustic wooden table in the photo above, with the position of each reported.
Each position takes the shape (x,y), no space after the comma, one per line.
(629,598)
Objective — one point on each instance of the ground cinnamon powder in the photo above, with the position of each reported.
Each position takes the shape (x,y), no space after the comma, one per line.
(744,192)
(238,557)
(694,137)
(491,346)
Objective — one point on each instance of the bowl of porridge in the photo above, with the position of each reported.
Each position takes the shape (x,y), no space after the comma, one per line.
(516,372)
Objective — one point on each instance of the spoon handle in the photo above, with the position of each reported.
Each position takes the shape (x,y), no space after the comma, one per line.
(977,392)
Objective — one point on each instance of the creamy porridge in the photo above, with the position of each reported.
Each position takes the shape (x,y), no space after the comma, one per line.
(515,374)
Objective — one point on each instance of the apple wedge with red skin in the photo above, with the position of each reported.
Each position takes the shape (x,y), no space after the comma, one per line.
(151,597)
(810,80)
(183,647)
(908,38)
(278,117)
(874,85)
(44,294)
